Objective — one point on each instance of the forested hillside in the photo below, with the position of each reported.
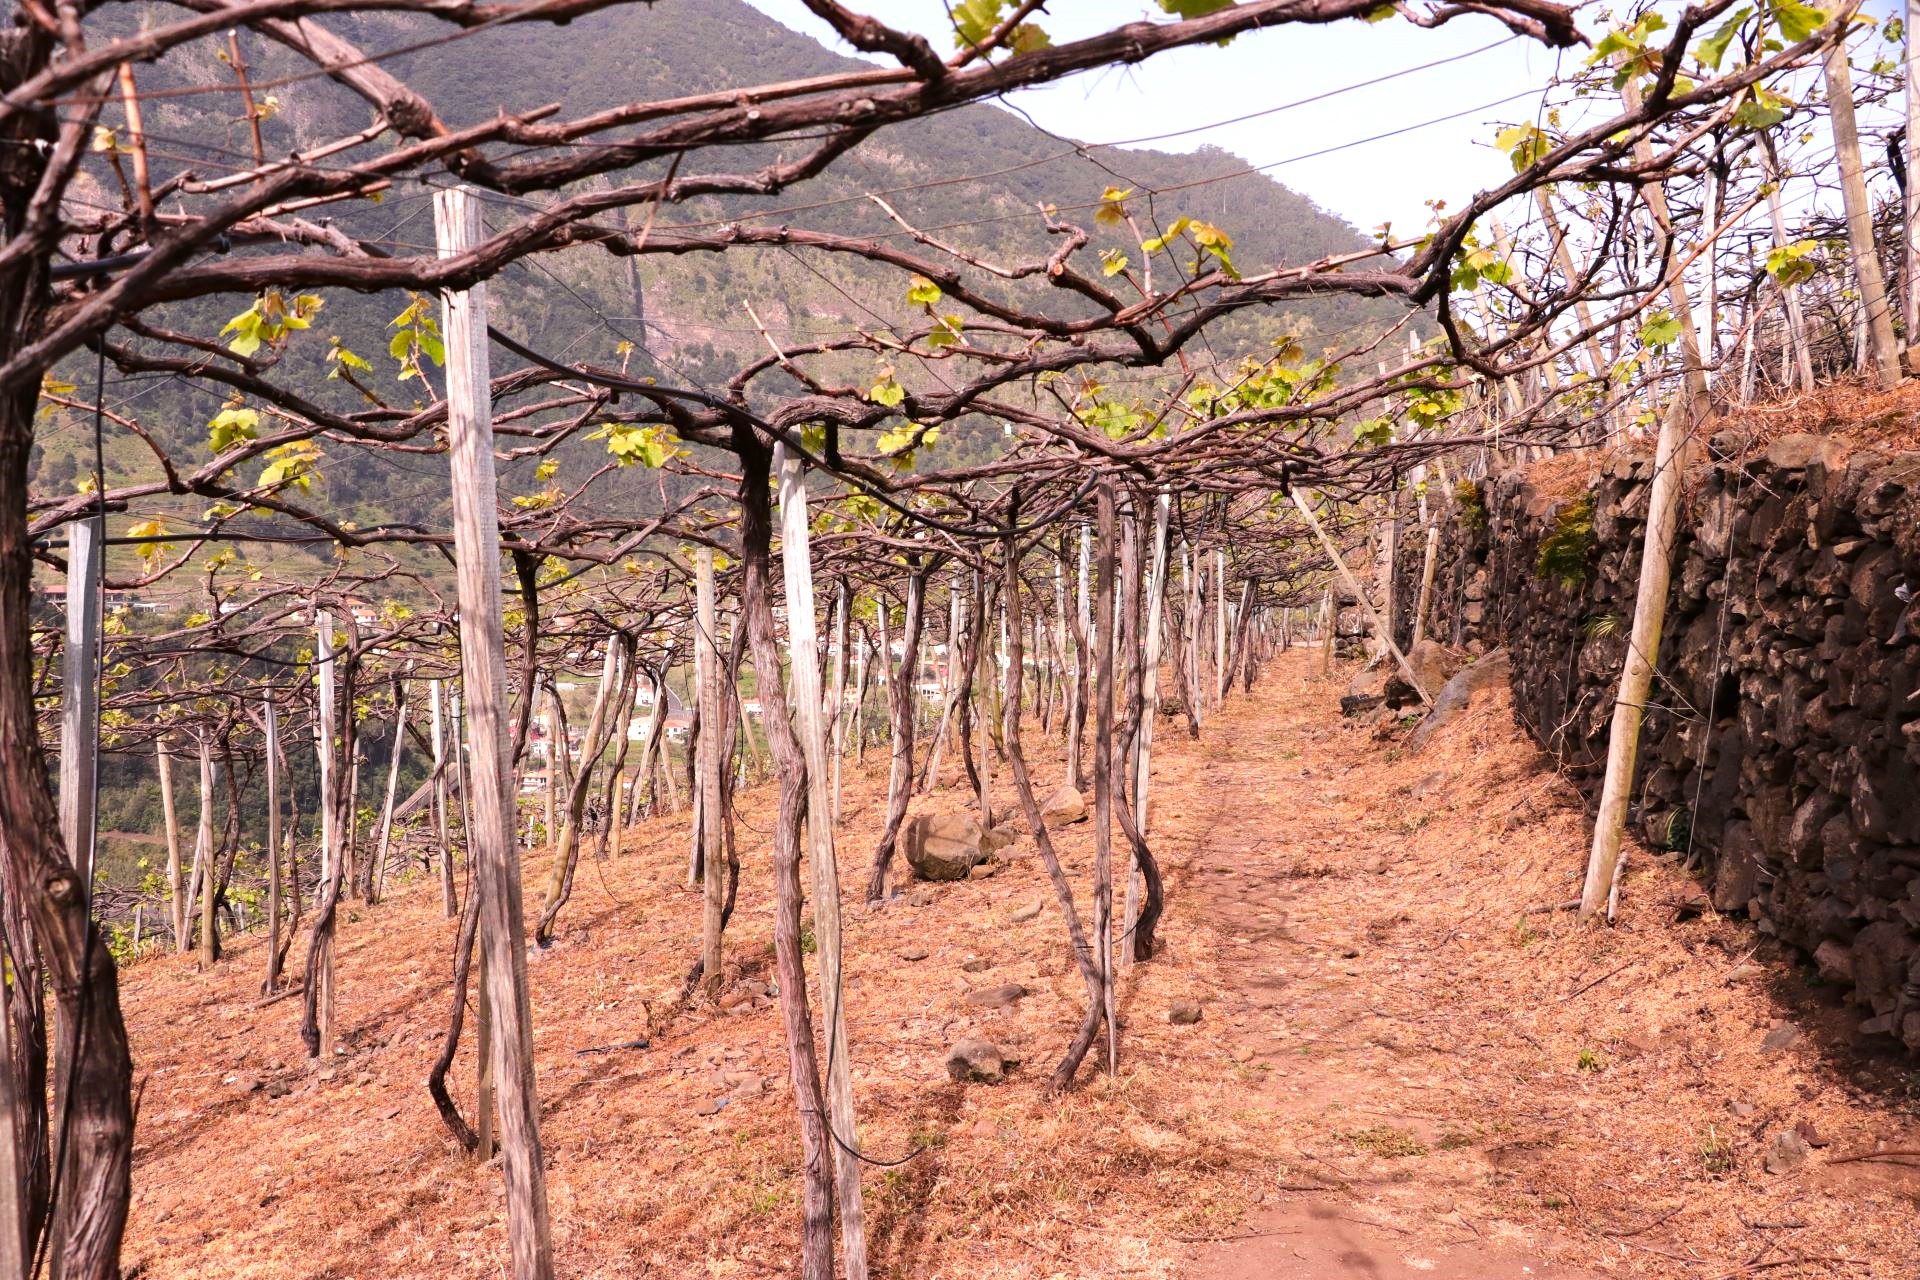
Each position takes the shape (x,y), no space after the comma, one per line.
(975,177)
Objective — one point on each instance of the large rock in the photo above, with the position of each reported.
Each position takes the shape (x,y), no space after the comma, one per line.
(1454,696)
(943,846)
(1433,664)
(1004,996)
(1064,807)
(1367,690)
(975,1059)
(1737,877)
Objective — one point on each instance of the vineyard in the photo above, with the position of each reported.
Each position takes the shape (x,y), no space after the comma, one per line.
(634,644)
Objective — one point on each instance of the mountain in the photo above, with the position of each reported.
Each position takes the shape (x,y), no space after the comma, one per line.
(976,176)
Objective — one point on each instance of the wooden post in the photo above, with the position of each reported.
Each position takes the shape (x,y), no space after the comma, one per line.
(556,760)
(400,708)
(1643,652)
(1910,275)
(1353,585)
(1427,562)
(1655,198)
(13,1172)
(1853,191)
(1082,677)
(331,837)
(209,864)
(709,666)
(272,725)
(1796,323)
(1218,686)
(1650,601)
(483,1084)
(930,772)
(483,664)
(176,897)
(842,607)
(449,902)
(983,687)
(1103,773)
(80,701)
(1388,566)
(1329,631)
(803,646)
(1150,708)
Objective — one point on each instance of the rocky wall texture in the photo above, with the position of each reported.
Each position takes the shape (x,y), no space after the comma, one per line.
(1782,740)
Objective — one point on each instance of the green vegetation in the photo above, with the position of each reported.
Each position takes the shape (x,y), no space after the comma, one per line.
(1566,554)
(1473,510)
(1385,1141)
(1716,1153)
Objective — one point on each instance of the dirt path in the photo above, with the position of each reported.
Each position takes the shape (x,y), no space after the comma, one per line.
(1458,1089)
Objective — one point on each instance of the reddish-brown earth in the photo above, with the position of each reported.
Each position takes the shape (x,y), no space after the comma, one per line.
(1399,1071)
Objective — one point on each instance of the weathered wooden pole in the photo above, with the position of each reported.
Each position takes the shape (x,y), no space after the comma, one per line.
(1082,669)
(1329,631)
(331,837)
(1910,274)
(1218,686)
(378,880)
(80,700)
(803,647)
(900,716)
(1853,192)
(274,852)
(1643,652)
(1796,323)
(176,898)
(1353,585)
(1149,712)
(1428,560)
(709,666)
(209,866)
(842,608)
(1103,772)
(436,695)
(14,1259)
(491,852)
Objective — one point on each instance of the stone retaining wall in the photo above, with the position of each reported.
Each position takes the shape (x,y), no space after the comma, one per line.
(1782,740)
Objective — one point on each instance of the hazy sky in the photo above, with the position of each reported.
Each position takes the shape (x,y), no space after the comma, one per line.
(1385,180)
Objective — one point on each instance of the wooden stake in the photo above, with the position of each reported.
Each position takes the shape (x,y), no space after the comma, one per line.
(79,700)
(709,666)
(274,874)
(495,861)
(842,607)
(803,648)
(1427,562)
(1217,687)
(1150,708)
(176,897)
(1853,191)
(209,863)
(436,697)
(13,1179)
(1796,324)
(1643,652)
(1910,274)
(1353,585)
(1103,773)
(331,854)
(400,709)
